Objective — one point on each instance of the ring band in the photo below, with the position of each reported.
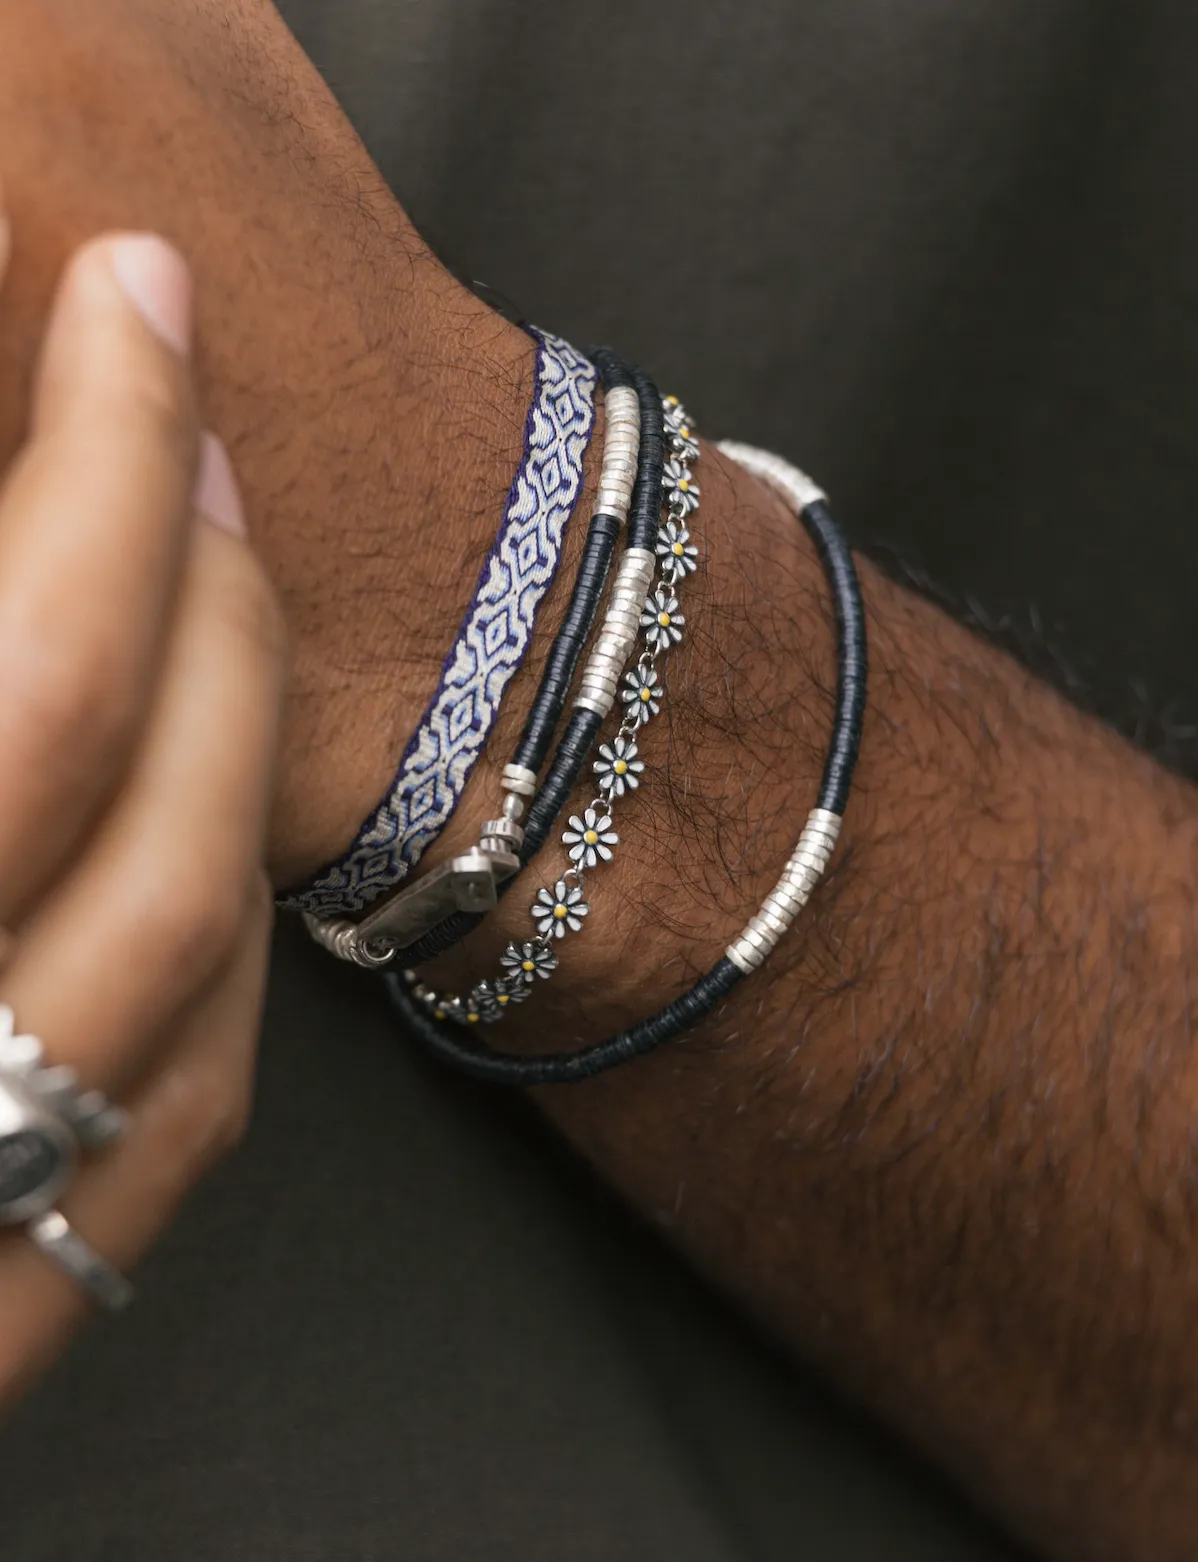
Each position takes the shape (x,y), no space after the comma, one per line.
(61,1243)
(46,1121)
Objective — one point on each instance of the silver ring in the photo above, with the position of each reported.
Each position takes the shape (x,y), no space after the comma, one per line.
(58,1240)
(45,1123)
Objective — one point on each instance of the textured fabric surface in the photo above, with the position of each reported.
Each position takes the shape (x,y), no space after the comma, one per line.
(943,256)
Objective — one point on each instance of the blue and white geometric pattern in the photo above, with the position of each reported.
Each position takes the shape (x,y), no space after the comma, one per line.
(491,643)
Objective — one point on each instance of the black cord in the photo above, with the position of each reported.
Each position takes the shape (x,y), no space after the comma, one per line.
(447,1042)
(568,643)
(576,627)
(644,513)
(852,658)
(582,730)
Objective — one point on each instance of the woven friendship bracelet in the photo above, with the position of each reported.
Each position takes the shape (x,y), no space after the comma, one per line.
(490,646)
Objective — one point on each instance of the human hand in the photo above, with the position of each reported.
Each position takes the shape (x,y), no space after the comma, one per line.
(142,656)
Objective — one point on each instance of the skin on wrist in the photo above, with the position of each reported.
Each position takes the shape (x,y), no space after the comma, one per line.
(942,1145)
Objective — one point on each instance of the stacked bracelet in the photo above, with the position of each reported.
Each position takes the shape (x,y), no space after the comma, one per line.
(803,870)
(646,483)
(637,608)
(443,906)
(476,880)
(614,644)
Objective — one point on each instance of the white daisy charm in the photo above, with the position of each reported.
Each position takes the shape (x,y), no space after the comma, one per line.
(590,838)
(641,693)
(683,443)
(673,414)
(511,989)
(558,909)
(618,767)
(482,1004)
(680,489)
(661,620)
(675,548)
(524,962)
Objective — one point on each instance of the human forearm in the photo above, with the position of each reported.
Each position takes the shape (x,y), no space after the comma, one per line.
(944,1144)
(940,1143)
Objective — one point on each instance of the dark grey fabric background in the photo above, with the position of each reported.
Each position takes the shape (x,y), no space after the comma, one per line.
(942,254)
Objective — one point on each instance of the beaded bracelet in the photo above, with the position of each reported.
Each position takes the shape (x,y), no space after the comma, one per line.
(590,838)
(781,907)
(604,665)
(447,902)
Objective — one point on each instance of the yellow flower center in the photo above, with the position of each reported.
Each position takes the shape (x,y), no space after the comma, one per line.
(620,766)
(473,1018)
(664,620)
(502,998)
(591,837)
(684,484)
(685,432)
(646,695)
(559,912)
(528,965)
(677,550)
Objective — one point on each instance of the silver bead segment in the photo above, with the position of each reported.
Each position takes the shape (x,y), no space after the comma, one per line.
(519,780)
(617,637)
(794,486)
(503,833)
(637,607)
(805,868)
(621,444)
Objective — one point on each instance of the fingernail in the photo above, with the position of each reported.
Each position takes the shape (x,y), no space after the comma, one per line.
(216,495)
(157,282)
